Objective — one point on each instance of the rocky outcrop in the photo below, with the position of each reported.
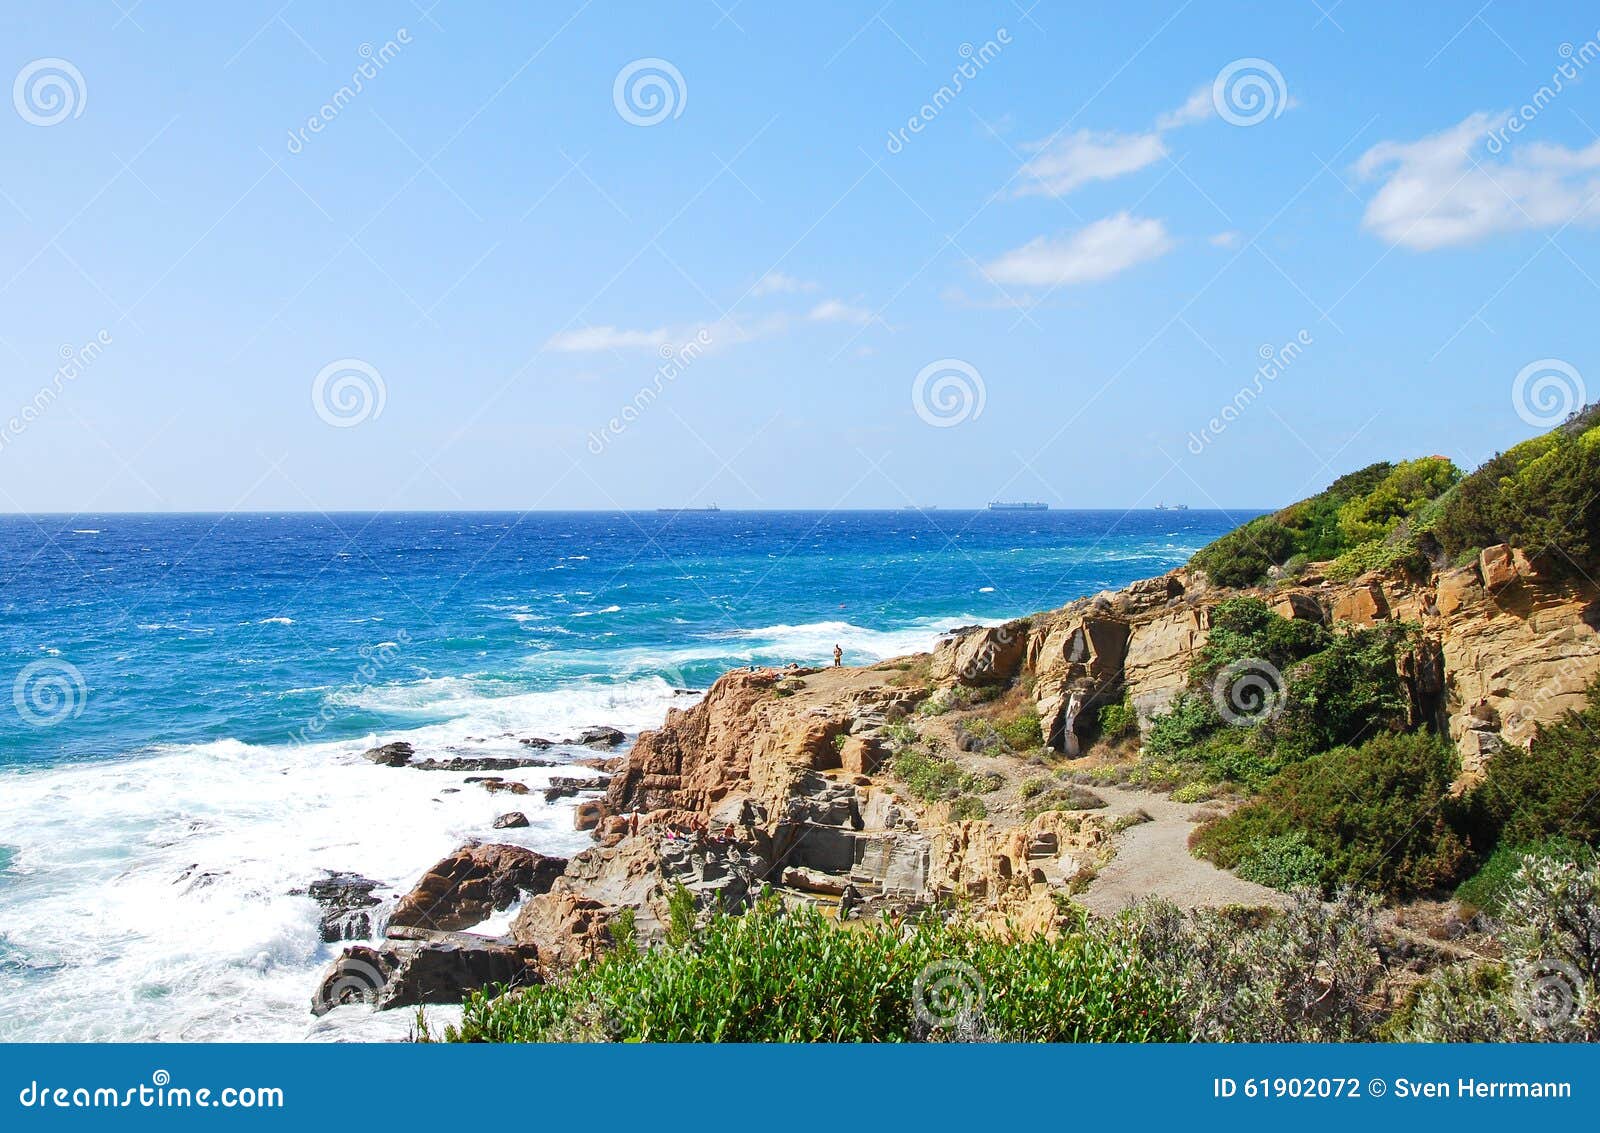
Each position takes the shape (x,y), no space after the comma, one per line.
(439,969)
(572,921)
(476,881)
(1503,649)
(347,902)
(391,755)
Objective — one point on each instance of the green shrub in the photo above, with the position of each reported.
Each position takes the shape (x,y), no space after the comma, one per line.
(1547,790)
(790,975)
(1365,507)
(1380,815)
(1283,861)
(1117,720)
(1348,690)
(1022,733)
(1486,890)
(968,808)
(1247,629)
(1175,733)
(1539,495)
(1196,792)
(1035,786)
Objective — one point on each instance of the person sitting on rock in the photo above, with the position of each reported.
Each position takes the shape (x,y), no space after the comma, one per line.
(838,656)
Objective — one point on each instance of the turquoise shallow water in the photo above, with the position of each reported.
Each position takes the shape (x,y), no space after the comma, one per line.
(190,696)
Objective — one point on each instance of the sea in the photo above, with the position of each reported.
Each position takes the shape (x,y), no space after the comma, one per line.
(185,700)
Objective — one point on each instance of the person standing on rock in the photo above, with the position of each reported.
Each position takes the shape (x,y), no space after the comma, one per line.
(838,656)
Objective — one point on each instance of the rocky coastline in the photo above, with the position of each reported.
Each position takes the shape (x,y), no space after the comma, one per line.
(779,778)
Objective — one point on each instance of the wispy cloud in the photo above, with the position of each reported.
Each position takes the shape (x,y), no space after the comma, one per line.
(777,283)
(588,339)
(1197,108)
(1098,251)
(838,311)
(1438,193)
(1070,161)
(1073,160)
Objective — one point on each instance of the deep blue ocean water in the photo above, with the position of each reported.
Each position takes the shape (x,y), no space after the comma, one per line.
(189,697)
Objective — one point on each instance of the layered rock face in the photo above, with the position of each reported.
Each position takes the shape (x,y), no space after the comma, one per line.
(1503,649)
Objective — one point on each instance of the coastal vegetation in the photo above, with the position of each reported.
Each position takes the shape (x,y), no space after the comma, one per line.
(782,974)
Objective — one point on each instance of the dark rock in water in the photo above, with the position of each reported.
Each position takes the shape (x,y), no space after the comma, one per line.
(479,763)
(603,738)
(472,883)
(445,971)
(512,821)
(198,878)
(564,788)
(536,741)
(441,969)
(391,755)
(493,783)
(347,901)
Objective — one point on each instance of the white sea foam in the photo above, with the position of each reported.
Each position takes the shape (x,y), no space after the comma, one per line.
(149,898)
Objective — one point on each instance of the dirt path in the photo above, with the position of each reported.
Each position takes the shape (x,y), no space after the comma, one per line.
(1153,860)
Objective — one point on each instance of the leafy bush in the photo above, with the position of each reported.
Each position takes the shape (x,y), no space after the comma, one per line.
(1486,890)
(931,777)
(1365,507)
(1248,629)
(1348,690)
(1547,790)
(1283,861)
(789,975)
(1380,815)
(1117,720)
(1539,495)
(1335,689)
(968,808)
(1022,732)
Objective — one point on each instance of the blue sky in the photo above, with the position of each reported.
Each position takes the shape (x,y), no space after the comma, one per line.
(485,259)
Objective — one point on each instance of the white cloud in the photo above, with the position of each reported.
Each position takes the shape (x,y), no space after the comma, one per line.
(1447,189)
(1197,108)
(1228,239)
(607,338)
(1065,163)
(777,283)
(1097,251)
(837,311)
